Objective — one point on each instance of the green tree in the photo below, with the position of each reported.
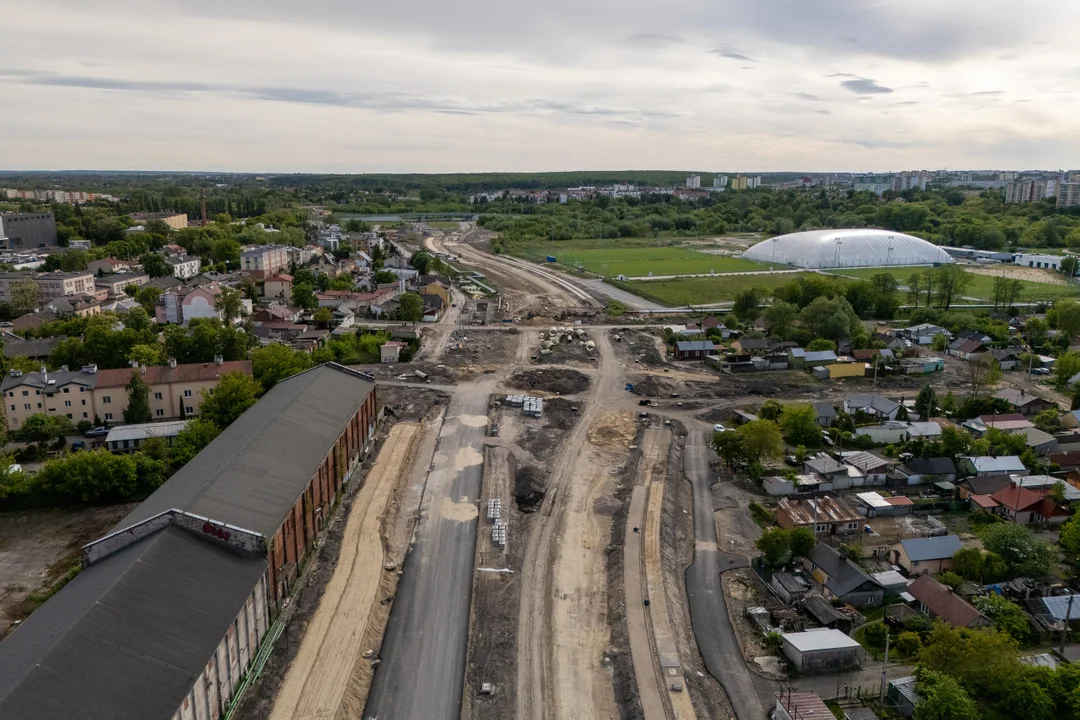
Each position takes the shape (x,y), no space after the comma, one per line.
(780,317)
(802,541)
(1070,265)
(1070,537)
(147,296)
(88,477)
(273,363)
(951,579)
(323,317)
(148,355)
(1008,617)
(25,295)
(747,304)
(942,698)
(762,440)
(196,435)
(771,410)
(775,546)
(908,643)
(138,407)
(830,318)
(821,345)
(799,423)
(1066,366)
(951,280)
(915,286)
(411,307)
(1066,317)
(234,394)
(1024,553)
(729,446)
(41,429)
(155,265)
(228,303)
(875,633)
(887,300)
(421,262)
(926,402)
(303,296)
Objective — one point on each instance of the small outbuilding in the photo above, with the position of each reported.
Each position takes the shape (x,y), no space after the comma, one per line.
(821,650)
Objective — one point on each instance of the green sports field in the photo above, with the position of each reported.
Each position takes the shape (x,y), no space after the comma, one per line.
(643,261)
(982,286)
(703,290)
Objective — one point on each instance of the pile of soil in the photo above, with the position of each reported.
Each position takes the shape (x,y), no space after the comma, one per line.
(655,386)
(558,415)
(554,380)
(529,488)
(716,415)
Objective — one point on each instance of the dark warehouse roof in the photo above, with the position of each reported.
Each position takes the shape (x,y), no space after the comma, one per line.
(252,473)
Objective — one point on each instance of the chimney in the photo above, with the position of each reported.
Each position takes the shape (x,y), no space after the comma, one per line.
(172,363)
(44,370)
(219,359)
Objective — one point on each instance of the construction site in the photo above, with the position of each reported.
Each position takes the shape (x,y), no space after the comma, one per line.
(541,532)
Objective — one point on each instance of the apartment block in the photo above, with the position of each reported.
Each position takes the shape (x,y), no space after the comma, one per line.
(1026,191)
(265,260)
(50,285)
(1068,194)
(89,393)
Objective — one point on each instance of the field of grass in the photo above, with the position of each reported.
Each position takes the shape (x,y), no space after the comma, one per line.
(982,286)
(702,291)
(637,260)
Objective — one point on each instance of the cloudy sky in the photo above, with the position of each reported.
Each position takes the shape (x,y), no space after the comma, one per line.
(475,85)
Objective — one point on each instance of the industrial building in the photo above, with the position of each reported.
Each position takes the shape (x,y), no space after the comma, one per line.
(166,618)
(825,249)
(821,650)
(23,231)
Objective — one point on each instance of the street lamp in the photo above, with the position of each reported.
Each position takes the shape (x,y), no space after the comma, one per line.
(836,259)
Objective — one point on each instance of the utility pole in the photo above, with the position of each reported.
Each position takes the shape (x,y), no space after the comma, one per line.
(1065,630)
(885,668)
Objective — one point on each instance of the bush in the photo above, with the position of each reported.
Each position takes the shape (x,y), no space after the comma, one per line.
(761,514)
(875,634)
(908,643)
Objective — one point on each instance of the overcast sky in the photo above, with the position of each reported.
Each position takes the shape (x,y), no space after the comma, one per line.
(475,85)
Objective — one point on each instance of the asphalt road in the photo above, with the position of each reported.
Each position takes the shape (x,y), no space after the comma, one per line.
(708,610)
(422,664)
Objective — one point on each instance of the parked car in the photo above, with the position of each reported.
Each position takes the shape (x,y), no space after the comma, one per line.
(1041,371)
(719,428)
(792,461)
(97,432)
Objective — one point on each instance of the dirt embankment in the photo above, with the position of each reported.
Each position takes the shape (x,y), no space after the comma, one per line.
(481,348)
(641,346)
(560,381)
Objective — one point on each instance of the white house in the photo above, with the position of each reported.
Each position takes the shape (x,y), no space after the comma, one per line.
(184,267)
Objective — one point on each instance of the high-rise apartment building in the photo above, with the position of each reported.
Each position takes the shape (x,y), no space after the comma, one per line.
(1068,194)
(1026,191)
(720,181)
(694,181)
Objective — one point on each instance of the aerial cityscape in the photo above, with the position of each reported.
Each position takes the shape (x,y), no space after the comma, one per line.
(351,372)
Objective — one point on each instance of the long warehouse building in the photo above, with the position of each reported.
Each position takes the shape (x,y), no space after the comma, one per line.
(166,618)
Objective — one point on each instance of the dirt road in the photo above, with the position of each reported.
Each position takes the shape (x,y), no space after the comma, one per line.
(562,623)
(330,655)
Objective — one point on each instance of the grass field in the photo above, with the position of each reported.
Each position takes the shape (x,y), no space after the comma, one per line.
(640,261)
(982,286)
(702,291)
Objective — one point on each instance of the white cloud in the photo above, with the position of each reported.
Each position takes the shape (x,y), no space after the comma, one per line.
(354,87)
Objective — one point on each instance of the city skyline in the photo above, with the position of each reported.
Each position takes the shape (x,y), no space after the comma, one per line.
(333,87)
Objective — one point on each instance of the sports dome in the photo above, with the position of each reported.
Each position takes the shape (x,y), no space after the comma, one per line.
(828,249)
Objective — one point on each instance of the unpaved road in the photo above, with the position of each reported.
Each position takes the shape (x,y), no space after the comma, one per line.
(562,623)
(317,679)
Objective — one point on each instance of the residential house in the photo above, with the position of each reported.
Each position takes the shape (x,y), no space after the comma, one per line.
(830,470)
(820,358)
(983,484)
(841,578)
(1017,504)
(798,706)
(975,335)
(868,355)
(390,352)
(1043,484)
(1063,608)
(175,390)
(874,468)
(796,358)
(1006,422)
(80,305)
(1008,358)
(183,304)
(922,555)
(825,516)
(694,349)
(988,465)
(50,285)
(753,346)
(63,393)
(797,485)
(166,282)
(432,285)
(1042,443)
(129,438)
(965,349)
(433,308)
(184,267)
(903,696)
(939,601)
(276,313)
(872,405)
(34,348)
(117,284)
(32,321)
(924,429)
(278,286)
(1024,403)
(918,471)
(826,413)
(107,266)
(922,334)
